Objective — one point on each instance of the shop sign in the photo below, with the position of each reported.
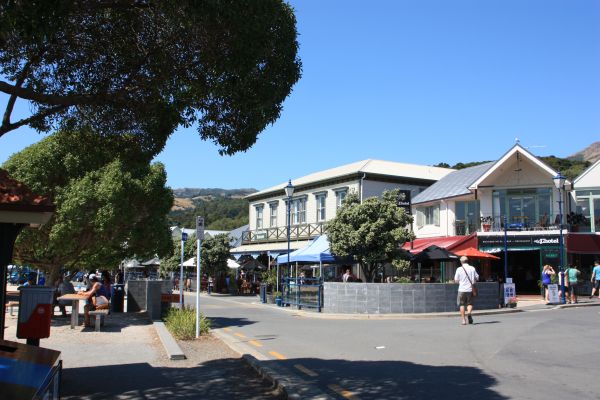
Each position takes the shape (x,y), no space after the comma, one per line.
(533,241)
(553,293)
(403,200)
(509,292)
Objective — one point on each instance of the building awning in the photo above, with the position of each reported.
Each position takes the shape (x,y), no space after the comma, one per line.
(583,243)
(451,243)
(257,249)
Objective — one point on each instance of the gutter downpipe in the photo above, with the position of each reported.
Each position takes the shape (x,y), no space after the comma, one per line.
(360,183)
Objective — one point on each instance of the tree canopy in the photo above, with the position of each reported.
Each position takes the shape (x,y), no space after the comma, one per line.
(111,203)
(145,67)
(371,231)
(213,257)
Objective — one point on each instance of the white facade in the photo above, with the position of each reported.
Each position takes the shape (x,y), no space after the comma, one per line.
(587,199)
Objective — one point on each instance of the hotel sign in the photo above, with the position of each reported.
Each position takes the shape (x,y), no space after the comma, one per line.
(532,241)
(403,200)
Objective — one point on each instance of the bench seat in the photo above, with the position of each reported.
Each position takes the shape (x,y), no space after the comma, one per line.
(99,316)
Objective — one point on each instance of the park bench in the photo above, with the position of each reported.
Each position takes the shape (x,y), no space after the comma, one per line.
(98,316)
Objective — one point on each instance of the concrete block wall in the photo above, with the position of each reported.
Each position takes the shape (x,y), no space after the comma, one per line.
(387,298)
(144,295)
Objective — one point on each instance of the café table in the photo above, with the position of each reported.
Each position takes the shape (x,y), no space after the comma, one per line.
(74,299)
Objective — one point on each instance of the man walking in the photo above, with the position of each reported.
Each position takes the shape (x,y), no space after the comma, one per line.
(465,276)
(596,279)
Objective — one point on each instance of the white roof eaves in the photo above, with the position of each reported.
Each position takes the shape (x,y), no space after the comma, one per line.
(584,173)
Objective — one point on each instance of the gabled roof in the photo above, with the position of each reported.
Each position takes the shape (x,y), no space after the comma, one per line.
(375,167)
(521,150)
(587,171)
(452,185)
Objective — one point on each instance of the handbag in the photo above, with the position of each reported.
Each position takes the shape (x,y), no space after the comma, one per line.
(474,288)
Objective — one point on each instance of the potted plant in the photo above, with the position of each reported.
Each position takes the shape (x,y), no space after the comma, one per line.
(278,299)
(512,302)
(486,223)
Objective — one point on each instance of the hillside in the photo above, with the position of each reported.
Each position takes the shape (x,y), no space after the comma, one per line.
(222,209)
(591,153)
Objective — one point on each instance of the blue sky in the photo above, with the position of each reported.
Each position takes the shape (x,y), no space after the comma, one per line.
(419,81)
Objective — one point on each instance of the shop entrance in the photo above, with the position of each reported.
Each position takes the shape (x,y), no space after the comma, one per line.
(524,268)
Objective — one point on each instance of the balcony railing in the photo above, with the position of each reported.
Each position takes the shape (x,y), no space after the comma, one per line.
(516,223)
(279,234)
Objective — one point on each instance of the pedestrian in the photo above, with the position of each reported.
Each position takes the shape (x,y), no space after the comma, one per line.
(572,275)
(210,284)
(465,276)
(547,273)
(64,287)
(596,279)
(347,276)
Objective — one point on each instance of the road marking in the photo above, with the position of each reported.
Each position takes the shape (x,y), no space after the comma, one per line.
(342,392)
(307,371)
(380,347)
(241,335)
(255,343)
(277,355)
(227,329)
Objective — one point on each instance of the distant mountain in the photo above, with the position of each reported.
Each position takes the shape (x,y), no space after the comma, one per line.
(591,153)
(212,192)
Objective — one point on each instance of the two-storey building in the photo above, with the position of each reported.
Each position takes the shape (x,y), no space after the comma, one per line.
(317,197)
(515,195)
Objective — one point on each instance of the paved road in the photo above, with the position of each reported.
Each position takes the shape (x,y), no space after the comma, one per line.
(533,355)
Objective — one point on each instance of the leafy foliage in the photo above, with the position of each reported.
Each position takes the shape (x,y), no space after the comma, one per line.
(568,167)
(146,67)
(214,255)
(371,231)
(111,203)
(220,213)
(460,165)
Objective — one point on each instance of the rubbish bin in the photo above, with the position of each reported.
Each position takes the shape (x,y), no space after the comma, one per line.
(35,313)
(263,292)
(117,299)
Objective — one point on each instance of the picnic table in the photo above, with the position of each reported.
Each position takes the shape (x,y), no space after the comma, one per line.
(74,298)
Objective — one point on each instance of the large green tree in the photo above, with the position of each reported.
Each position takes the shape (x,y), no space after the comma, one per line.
(213,258)
(111,203)
(371,231)
(144,67)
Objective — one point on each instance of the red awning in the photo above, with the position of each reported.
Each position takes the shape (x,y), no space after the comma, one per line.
(450,243)
(583,243)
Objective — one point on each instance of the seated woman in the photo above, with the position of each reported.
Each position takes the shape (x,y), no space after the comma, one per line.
(96,298)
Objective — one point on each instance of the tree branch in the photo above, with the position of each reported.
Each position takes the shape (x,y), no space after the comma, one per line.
(5,128)
(51,99)
(13,98)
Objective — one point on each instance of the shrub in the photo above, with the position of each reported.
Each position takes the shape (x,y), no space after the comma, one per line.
(182,323)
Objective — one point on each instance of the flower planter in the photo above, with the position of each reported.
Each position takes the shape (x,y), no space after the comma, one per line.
(487,227)
(511,305)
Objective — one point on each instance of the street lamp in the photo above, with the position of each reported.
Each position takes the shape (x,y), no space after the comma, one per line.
(559,182)
(289,191)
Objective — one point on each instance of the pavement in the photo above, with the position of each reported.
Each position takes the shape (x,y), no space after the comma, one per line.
(127,361)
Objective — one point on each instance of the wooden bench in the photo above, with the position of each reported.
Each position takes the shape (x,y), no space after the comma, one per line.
(99,316)
(12,305)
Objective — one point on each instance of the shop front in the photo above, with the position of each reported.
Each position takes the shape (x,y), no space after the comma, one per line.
(527,254)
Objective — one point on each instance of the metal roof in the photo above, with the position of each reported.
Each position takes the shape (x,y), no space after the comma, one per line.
(454,184)
(378,167)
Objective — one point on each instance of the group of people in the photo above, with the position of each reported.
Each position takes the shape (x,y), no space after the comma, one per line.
(97,293)
(572,280)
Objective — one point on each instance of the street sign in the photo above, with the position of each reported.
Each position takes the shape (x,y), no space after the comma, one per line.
(183,236)
(199,228)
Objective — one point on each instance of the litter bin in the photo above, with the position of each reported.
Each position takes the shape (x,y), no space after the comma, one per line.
(263,292)
(117,299)
(35,313)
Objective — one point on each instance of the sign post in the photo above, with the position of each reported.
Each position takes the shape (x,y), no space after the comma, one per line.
(199,239)
(183,240)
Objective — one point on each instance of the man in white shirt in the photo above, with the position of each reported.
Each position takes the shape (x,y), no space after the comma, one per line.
(465,276)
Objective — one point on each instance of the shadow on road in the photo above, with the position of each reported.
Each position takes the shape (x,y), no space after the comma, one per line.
(220,379)
(398,379)
(224,322)
(487,322)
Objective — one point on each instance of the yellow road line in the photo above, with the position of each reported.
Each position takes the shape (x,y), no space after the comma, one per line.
(255,343)
(307,371)
(227,329)
(277,355)
(241,335)
(342,392)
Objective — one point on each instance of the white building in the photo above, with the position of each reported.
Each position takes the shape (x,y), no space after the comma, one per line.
(317,197)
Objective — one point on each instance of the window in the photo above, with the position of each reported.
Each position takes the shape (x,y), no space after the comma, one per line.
(273,215)
(340,195)
(529,207)
(588,206)
(428,216)
(466,217)
(298,210)
(259,217)
(321,207)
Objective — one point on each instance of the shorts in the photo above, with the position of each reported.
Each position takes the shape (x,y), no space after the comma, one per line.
(545,285)
(597,284)
(464,299)
(573,288)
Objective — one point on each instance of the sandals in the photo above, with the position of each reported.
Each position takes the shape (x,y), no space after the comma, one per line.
(470,319)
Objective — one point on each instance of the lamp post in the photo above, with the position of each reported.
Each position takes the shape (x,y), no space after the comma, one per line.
(559,182)
(289,191)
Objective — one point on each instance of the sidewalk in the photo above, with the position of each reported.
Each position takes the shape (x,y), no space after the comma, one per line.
(126,361)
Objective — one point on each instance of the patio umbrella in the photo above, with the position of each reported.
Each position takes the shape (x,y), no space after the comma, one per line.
(190,263)
(474,253)
(232,264)
(253,264)
(435,253)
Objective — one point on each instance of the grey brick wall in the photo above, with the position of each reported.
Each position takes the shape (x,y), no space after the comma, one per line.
(386,298)
(144,295)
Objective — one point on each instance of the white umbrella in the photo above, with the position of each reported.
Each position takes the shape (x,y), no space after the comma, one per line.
(232,264)
(190,263)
